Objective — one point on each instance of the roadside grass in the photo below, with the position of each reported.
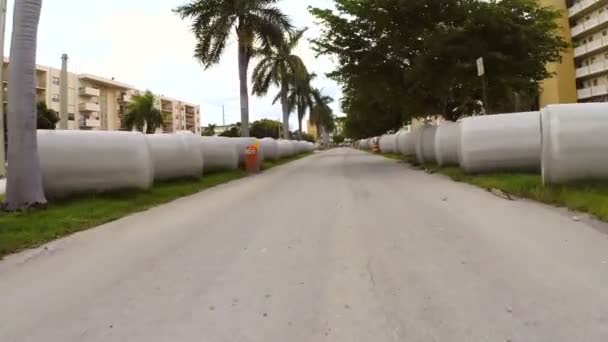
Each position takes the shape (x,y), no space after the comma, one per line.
(19,231)
(589,197)
(269,164)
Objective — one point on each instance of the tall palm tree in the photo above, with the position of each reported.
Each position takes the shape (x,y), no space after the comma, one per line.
(321,114)
(280,67)
(24,182)
(301,97)
(255,22)
(142,114)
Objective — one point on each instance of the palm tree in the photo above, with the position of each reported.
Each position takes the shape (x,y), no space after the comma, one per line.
(280,67)
(24,183)
(301,97)
(255,22)
(142,114)
(321,114)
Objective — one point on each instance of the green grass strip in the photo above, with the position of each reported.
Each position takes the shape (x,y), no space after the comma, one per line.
(589,197)
(19,231)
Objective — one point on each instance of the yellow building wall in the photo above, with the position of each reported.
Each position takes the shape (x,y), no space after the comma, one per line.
(312,130)
(561,88)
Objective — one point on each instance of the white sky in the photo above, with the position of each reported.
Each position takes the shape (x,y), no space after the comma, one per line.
(143,43)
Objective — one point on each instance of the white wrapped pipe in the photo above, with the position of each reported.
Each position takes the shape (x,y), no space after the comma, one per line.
(93,161)
(502,142)
(270,148)
(176,155)
(286,148)
(425,144)
(241,146)
(219,154)
(574,142)
(406,143)
(447,143)
(388,143)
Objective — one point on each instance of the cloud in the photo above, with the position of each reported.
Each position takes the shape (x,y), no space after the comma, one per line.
(143,43)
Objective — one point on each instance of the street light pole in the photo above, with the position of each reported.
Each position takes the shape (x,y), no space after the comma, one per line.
(2,145)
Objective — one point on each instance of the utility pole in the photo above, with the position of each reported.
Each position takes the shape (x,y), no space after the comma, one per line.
(223,116)
(2,145)
(63,93)
(481,72)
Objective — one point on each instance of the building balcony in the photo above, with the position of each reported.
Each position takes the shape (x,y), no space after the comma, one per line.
(591,47)
(589,25)
(583,7)
(586,93)
(89,107)
(599,90)
(595,68)
(89,123)
(88,91)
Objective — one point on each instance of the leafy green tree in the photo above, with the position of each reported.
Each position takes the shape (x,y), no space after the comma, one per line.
(278,66)
(47,118)
(254,22)
(403,59)
(338,138)
(233,132)
(209,131)
(142,114)
(265,128)
(303,136)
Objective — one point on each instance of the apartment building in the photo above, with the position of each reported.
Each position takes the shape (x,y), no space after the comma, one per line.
(97,103)
(589,31)
(582,76)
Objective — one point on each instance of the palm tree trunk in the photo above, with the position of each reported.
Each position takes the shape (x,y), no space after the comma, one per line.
(285,107)
(243,66)
(24,183)
(300,118)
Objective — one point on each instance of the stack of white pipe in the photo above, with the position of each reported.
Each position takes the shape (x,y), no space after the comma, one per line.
(447,143)
(502,142)
(75,162)
(388,143)
(425,144)
(270,148)
(405,143)
(175,155)
(574,142)
(219,154)
(285,148)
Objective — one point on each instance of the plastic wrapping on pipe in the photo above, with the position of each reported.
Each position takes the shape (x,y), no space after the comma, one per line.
(286,148)
(574,142)
(176,155)
(502,142)
(447,143)
(301,146)
(270,148)
(75,162)
(406,143)
(241,146)
(425,144)
(219,154)
(388,143)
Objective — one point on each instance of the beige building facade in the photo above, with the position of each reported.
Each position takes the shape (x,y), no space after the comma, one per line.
(97,103)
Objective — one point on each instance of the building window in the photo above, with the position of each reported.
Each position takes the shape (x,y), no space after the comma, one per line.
(606,55)
(590,39)
(595,82)
(55,98)
(55,80)
(71,116)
